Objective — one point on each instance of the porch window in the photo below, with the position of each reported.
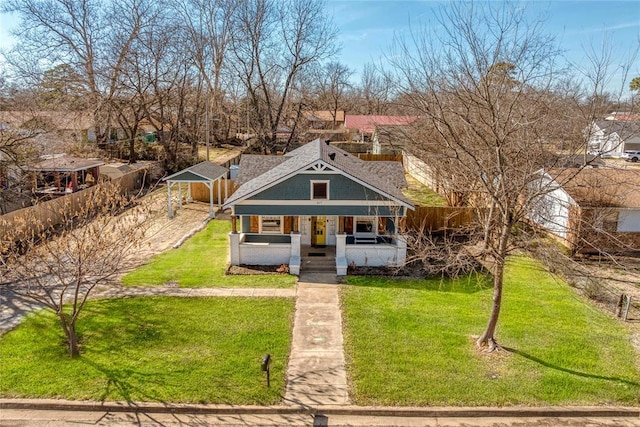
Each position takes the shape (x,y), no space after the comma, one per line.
(365,225)
(271,224)
(319,190)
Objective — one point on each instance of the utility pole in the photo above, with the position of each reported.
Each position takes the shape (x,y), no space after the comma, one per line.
(207,124)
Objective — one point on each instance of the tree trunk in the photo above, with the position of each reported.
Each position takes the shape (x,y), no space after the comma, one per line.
(487,339)
(132,145)
(74,351)
(69,328)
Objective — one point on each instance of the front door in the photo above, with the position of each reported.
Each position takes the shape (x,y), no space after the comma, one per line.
(318,231)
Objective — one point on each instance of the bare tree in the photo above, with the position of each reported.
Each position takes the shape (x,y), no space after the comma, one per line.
(59,266)
(332,85)
(207,24)
(375,91)
(488,87)
(273,42)
(16,148)
(87,36)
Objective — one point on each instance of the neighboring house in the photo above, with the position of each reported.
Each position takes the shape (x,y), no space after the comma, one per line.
(366,125)
(611,138)
(325,119)
(389,139)
(623,115)
(77,125)
(325,125)
(314,198)
(591,210)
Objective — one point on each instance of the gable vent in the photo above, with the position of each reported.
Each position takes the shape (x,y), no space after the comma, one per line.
(332,156)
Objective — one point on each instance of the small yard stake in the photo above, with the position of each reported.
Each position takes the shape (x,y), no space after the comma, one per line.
(619,305)
(626,309)
(266,367)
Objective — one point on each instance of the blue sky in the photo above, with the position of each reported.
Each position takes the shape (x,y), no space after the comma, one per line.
(367,27)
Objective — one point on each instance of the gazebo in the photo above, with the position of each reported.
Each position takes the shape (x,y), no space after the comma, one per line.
(206,173)
(61,174)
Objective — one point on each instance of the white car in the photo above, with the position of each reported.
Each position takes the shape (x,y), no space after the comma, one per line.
(631,156)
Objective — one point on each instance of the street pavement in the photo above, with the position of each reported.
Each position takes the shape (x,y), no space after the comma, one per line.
(316,417)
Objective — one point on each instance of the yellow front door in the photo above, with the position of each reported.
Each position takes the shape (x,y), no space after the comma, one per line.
(319,231)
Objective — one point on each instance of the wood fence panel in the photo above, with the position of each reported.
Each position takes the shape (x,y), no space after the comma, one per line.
(50,212)
(381,157)
(438,218)
(200,192)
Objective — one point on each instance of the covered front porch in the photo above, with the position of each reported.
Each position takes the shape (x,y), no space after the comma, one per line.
(358,241)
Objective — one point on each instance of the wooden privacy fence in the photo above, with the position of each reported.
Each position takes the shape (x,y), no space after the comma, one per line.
(380,157)
(52,212)
(439,218)
(200,192)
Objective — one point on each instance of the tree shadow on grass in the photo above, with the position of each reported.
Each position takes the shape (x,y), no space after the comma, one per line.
(570,371)
(120,384)
(464,285)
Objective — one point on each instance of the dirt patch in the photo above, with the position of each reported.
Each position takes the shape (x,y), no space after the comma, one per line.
(243,270)
(164,232)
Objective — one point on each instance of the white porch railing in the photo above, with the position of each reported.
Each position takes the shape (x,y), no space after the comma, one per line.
(242,252)
(391,254)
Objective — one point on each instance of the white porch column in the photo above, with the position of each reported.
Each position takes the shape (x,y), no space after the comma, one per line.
(294,260)
(211,211)
(189,198)
(219,193)
(401,251)
(341,254)
(169,207)
(180,195)
(234,248)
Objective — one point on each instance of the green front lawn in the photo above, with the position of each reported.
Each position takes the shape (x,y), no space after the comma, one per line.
(159,349)
(201,262)
(410,342)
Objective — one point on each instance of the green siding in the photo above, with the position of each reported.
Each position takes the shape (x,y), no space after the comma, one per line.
(299,188)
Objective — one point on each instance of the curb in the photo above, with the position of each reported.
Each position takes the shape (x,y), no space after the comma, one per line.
(380,411)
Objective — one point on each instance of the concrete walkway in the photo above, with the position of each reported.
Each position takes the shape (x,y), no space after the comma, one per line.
(316,374)
(13,308)
(122,291)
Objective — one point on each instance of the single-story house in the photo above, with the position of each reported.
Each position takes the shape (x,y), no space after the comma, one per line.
(317,200)
(325,119)
(389,139)
(611,138)
(365,125)
(591,210)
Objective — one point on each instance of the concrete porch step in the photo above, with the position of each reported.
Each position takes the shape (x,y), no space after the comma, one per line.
(318,264)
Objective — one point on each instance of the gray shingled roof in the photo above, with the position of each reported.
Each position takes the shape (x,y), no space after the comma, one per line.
(383,177)
(253,165)
(392,171)
(627,130)
(205,169)
(64,164)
